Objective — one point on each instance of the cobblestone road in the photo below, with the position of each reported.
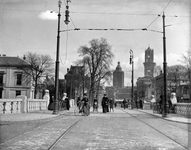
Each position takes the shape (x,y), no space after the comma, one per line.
(111,131)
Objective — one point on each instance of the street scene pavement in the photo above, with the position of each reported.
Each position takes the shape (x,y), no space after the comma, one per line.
(122,129)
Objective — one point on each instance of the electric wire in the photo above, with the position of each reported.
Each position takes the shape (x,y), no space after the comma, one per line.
(159,15)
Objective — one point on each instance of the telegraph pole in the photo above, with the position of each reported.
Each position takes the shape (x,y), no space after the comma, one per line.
(164,113)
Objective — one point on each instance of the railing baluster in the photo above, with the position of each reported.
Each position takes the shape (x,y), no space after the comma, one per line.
(4,109)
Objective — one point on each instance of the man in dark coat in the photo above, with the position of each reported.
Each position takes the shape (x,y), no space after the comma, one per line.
(105,103)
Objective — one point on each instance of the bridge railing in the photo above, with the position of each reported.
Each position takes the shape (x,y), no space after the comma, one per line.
(22,105)
(36,104)
(179,108)
(9,106)
(183,109)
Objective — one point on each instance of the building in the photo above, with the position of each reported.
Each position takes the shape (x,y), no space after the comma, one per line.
(118,77)
(145,87)
(149,64)
(118,91)
(12,79)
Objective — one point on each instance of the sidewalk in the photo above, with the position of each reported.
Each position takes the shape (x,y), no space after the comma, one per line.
(49,114)
(170,117)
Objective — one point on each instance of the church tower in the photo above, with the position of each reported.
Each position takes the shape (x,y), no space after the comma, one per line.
(149,64)
(118,77)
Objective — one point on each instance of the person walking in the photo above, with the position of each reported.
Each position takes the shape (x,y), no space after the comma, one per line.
(111,104)
(66,101)
(85,107)
(105,103)
(95,104)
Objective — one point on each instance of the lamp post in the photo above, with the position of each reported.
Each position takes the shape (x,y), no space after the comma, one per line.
(164,113)
(132,80)
(55,110)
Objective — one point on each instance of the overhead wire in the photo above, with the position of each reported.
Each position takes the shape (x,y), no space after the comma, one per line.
(159,15)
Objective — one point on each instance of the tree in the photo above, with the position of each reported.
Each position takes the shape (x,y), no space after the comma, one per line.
(40,66)
(97,60)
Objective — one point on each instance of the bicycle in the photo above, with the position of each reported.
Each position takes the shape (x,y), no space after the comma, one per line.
(78,111)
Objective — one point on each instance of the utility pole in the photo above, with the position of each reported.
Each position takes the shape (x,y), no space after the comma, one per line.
(132,80)
(56,109)
(164,113)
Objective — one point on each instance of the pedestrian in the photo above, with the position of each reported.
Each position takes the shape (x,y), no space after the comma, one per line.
(153,101)
(173,101)
(111,104)
(95,104)
(66,101)
(136,103)
(160,104)
(78,101)
(124,103)
(105,103)
(85,107)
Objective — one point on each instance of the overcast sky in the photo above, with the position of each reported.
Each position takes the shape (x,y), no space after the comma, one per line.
(28,26)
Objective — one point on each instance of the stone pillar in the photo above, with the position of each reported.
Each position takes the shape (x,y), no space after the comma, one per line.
(24,103)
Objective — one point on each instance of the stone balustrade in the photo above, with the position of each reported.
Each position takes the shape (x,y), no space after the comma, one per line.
(8,106)
(183,109)
(22,105)
(36,104)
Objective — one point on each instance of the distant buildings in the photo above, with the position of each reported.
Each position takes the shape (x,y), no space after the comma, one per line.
(12,79)
(118,91)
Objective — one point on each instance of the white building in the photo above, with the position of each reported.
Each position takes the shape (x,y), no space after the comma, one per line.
(12,79)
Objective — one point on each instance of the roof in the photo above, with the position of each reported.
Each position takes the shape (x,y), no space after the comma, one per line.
(12,62)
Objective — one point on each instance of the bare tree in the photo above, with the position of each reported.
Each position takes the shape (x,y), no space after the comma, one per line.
(40,66)
(97,59)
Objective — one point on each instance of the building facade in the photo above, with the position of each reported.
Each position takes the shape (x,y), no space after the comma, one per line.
(118,77)
(12,79)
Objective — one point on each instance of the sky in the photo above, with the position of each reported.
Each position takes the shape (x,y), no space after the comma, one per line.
(29,26)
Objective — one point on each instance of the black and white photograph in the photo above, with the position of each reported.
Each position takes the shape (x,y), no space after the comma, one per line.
(95,75)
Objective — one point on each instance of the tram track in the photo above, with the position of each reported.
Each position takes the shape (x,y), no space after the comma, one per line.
(137,118)
(63,134)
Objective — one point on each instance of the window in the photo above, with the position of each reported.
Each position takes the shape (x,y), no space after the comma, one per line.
(18,93)
(19,79)
(1,92)
(185,90)
(1,79)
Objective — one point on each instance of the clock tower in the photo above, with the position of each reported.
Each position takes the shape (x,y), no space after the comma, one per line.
(149,64)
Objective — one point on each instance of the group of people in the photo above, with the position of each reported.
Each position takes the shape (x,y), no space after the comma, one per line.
(107,104)
(171,102)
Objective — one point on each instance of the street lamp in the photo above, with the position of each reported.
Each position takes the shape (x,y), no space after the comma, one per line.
(132,80)
(55,110)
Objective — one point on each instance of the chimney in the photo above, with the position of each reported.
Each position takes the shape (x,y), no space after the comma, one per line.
(67,70)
